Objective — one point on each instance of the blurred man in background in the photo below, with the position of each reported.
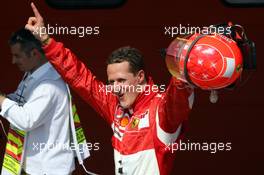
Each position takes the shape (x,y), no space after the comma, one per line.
(38,112)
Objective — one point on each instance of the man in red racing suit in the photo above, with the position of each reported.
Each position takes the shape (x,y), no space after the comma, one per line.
(145,124)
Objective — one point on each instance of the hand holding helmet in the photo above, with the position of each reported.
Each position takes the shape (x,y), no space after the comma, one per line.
(212,61)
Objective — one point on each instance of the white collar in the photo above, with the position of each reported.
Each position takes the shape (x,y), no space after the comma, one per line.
(39,72)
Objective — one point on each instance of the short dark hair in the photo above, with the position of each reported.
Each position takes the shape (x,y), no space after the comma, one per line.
(27,41)
(132,55)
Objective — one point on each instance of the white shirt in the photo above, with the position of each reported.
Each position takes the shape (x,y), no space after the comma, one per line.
(40,106)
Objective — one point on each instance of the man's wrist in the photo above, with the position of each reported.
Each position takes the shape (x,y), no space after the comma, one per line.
(2,98)
(45,40)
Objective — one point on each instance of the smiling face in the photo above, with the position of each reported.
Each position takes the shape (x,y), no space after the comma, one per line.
(120,75)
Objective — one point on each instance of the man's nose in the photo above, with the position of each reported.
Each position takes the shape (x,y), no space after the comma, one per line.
(117,87)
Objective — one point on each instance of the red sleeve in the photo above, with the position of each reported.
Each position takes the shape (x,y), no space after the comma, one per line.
(81,80)
(175,105)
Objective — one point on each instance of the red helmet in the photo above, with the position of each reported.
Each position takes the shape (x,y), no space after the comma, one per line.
(208,61)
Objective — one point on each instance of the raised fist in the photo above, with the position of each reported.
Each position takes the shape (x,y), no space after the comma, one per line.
(36,25)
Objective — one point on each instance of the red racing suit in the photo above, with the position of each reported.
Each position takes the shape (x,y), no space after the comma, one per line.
(155,121)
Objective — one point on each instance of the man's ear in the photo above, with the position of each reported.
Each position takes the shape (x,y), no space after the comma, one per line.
(141,77)
(35,53)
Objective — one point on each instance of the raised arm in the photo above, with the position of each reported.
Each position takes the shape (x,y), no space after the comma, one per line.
(73,71)
(173,111)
